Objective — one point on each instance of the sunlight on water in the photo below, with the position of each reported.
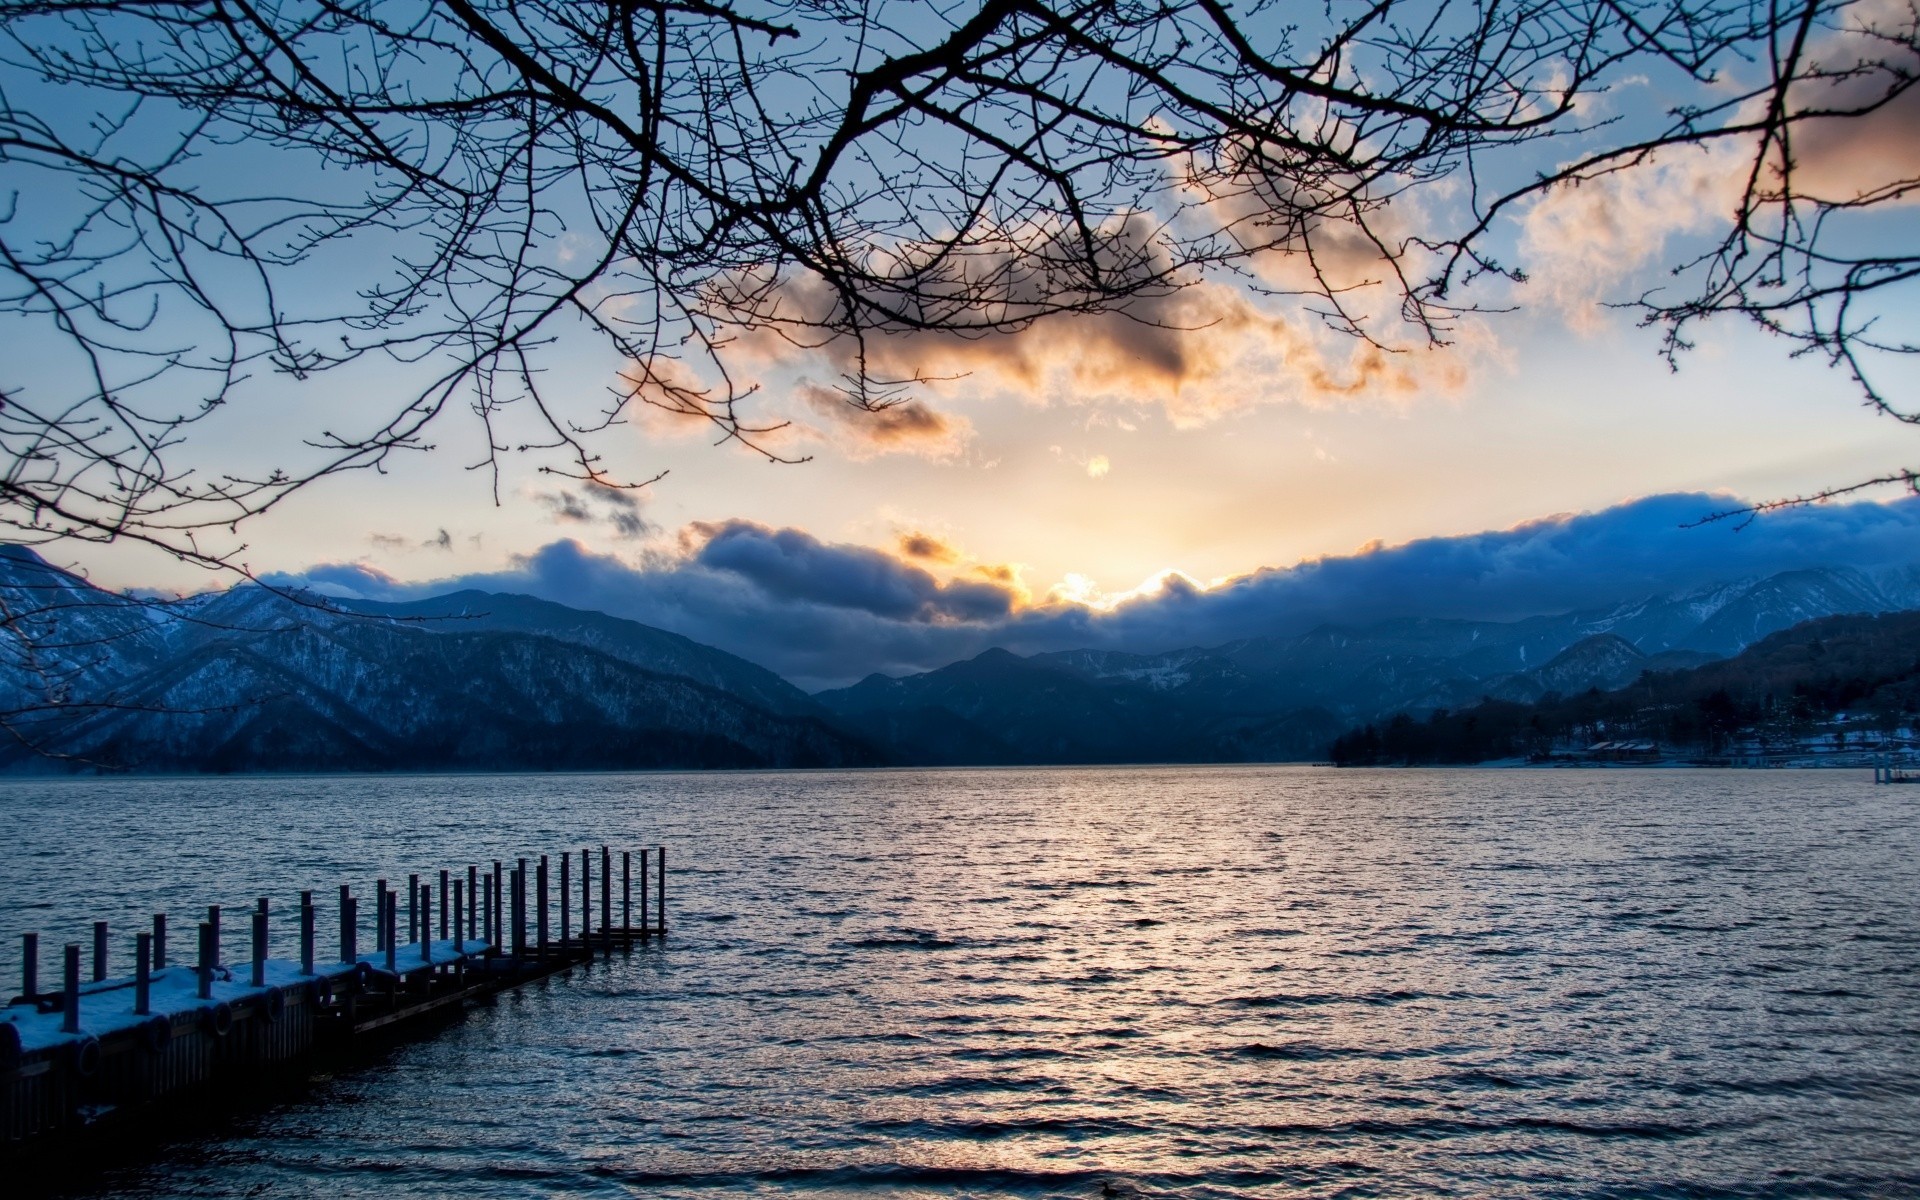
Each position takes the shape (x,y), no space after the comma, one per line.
(1170,982)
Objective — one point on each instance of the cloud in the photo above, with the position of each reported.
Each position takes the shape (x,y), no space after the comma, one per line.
(789,565)
(1871,63)
(824,614)
(927,547)
(441,540)
(1584,240)
(618,509)
(911,426)
(1200,353)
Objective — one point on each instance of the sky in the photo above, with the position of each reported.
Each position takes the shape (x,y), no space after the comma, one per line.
(1053,482)
(1058,499)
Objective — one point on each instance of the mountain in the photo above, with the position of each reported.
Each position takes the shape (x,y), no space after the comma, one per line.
(1282,698)
(251,680)
(628,641)
(1809,692)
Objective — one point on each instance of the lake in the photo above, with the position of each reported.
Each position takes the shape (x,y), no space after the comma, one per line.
(1179,982)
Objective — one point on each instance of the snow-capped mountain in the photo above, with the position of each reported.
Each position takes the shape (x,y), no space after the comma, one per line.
(1275,697)
(250,679)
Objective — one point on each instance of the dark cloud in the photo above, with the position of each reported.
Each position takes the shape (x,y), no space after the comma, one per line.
(596,504)
(823,613)
(441,540)
(790,566)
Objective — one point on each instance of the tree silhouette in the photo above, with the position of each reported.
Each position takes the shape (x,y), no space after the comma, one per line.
(201,196)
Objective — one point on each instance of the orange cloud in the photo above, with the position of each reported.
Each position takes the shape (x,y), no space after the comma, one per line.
(928,547)
(1582,241)
(1198,349)
(1200,352)
(910,426)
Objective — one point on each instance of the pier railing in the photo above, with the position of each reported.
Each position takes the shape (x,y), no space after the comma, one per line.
(86,1043)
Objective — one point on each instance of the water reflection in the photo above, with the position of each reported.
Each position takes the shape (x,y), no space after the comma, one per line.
(1223,982)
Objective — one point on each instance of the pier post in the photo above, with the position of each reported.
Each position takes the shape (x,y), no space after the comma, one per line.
(70,991)
(208,956)
(349,923)
(459,918)
(520,910)
(414,912)
(159,940)
(566,898)
(626,894)
(586,902)
(99,951)
(497,896)
(662,904)
(142,974)
(606,900)
(646,860)
(426,923)
(540,911)
(379,915)
(392,929)
(486,919)
(443,905)
(213,920)
(473,901)
(306,933)
(29,965)
(259,977)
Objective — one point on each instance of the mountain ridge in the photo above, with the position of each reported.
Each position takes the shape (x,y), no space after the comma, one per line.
(1282,698)
(253,678)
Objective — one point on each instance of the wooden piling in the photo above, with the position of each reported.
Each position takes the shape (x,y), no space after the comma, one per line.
(606,900)
(586,899)
(661,905)
(99,951)
(566,898)
(459,918)
(379,915)
(626,889)
(540,910)
(414,912)
(306,933)
(207,957)
(70,991)
(646,858)
(520,909)
(30,966)
(142,974)
(348,923)
(159,940)
(426,922)
(391,929)
(443,905)
(259,976)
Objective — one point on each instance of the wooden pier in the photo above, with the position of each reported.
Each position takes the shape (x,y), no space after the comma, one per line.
(87,1050)
(1886,770)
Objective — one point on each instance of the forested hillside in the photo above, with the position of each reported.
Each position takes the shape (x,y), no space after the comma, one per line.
(1815,681)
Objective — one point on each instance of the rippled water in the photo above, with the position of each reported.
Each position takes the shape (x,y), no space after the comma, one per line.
(1163,982)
